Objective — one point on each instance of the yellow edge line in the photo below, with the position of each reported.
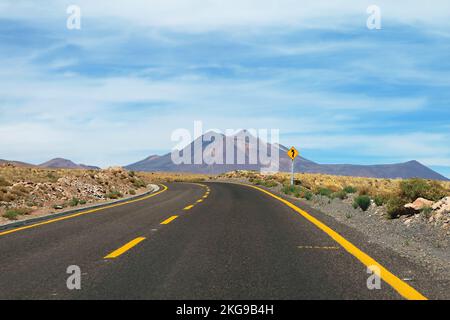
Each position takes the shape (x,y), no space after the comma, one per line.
(124,248)
(404,289)
(169,220)
(82,213)
(188,207)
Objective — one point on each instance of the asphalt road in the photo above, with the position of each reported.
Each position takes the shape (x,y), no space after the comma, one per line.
(234,243)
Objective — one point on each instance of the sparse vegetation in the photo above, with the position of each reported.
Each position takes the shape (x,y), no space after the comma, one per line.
(114,194)
(324,192)
(395,207)
(340,195)
(4,183)
(362,202)
(52,176)
(412,189)
(13,214)
(393,194)
(74,202)
(138,183)
(48,190)
(350,189)
(308,195)
(379,200)
(288,189)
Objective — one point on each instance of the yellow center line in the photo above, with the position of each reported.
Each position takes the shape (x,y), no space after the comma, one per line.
(205,196)
(83,213)
(200,200)
(169,220)
(404,289)
(124,248)
(189,207)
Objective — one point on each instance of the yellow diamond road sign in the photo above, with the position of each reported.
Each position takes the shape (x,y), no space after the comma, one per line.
(292,153)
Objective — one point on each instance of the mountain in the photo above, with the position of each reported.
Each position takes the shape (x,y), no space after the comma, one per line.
(61,163)
(16,163)
(411,169)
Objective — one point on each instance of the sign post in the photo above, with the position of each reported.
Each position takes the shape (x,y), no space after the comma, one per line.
(292,153)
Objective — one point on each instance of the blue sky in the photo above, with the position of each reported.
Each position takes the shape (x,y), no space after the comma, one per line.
(114,91)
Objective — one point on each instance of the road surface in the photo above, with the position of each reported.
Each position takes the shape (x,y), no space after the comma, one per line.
(198,241)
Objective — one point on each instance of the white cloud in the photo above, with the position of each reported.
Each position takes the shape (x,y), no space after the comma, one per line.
(202,15)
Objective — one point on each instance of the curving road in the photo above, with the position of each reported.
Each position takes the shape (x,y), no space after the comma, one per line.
(198,241)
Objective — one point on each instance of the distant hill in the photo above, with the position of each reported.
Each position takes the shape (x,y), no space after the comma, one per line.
(61,163)
(411,169)
(16,163)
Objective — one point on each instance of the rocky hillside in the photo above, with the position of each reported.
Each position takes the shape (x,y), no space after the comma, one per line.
(26,191)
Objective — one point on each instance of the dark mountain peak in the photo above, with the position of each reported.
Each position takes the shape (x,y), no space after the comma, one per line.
(414,162)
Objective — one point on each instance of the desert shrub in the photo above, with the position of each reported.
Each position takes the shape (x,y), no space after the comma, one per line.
(30,204)
(132,192)
(12,214)
(74,202)
(138,183)
(257,182)
(114,194)
(270,183)
(427,211)
(4,183)
(364,190)
(324,192)
(379,200)
(412,189)
(308,195)
(52,176)
(350,189)
(395,207)
(83,202)
(340,195)
(287,189)
(363,202)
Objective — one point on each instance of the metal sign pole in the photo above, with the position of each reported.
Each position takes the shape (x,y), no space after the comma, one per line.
(292,173)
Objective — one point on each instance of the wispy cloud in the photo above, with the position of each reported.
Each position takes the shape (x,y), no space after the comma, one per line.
(117,88)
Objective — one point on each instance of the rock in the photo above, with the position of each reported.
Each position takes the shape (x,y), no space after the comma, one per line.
(115,169)
(442,206)
(419,204)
